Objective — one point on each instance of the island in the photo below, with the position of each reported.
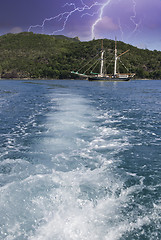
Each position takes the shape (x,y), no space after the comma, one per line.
(38,56)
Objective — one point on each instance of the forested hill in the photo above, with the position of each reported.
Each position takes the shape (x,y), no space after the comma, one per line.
(28,55)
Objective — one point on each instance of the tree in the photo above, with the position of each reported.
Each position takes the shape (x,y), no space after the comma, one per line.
(0,71)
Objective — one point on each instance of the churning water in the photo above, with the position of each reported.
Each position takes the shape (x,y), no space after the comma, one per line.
(80,160)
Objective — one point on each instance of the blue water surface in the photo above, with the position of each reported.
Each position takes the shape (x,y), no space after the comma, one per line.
(80,160)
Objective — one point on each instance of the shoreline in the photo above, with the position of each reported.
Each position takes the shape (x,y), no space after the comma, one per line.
(43,79)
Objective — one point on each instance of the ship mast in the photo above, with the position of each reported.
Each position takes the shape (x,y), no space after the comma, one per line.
(116,57)
(102,60)
(115,66)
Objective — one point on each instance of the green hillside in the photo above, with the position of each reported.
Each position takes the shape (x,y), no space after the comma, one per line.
(28,55)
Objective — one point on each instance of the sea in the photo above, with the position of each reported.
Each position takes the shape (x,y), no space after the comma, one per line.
(80,160)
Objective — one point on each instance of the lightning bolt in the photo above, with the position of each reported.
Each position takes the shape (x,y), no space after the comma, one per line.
(85,9)
(132,18)
(120,27)
(66,15)
(100,18)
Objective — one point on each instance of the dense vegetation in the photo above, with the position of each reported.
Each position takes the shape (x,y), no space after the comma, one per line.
(28,55)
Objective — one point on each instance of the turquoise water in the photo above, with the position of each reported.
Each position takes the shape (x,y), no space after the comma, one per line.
(80,160)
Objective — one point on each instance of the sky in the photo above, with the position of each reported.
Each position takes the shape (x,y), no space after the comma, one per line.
(137,22)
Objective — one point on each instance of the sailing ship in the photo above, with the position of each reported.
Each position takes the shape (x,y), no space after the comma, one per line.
(102,76)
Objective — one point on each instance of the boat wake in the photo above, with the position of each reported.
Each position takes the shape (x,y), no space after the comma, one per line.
(71,183)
